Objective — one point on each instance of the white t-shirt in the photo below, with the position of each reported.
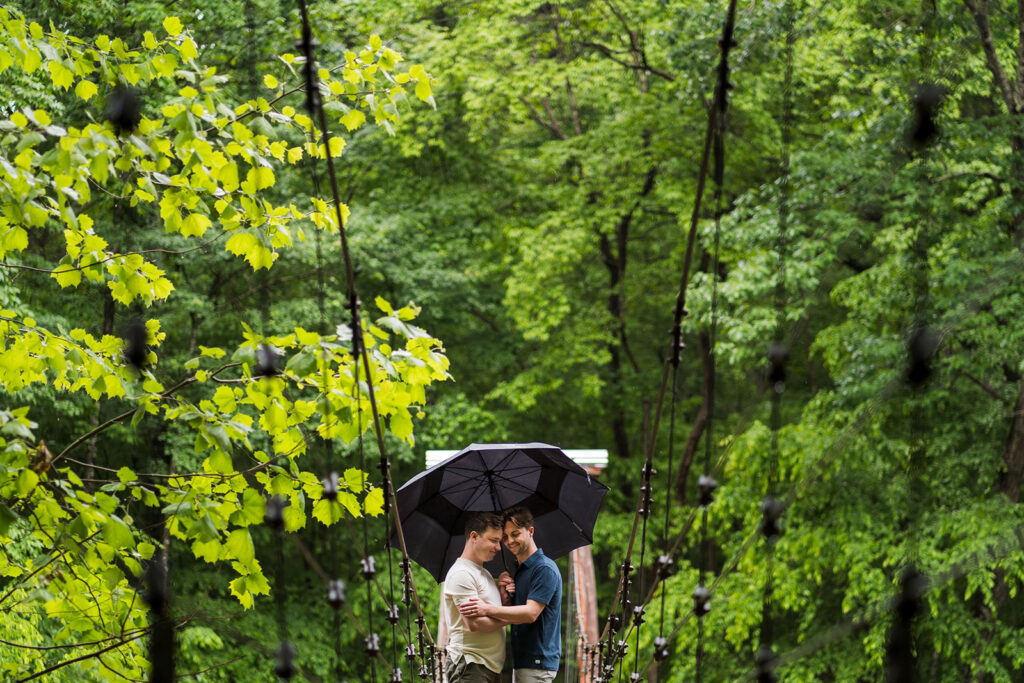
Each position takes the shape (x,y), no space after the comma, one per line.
(465,580)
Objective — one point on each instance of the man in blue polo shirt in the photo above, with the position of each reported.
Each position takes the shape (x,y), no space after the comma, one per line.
(535,606)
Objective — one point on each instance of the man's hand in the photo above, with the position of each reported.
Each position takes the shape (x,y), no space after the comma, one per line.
(475,607)
(507,587)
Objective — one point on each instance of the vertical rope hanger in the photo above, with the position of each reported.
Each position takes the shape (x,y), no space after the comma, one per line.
(393,615)
(706,485)
(638,609)
(610,651)
(360,353)
(777,355)
(664,561)
(901,664)
(336,595)
(331,483)
(268,367)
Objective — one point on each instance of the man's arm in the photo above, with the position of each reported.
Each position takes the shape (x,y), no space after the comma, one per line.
(461,588)
(442,624)
(482,624)
(512,614)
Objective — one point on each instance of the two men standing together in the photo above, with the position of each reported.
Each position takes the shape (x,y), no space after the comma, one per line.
(476,609)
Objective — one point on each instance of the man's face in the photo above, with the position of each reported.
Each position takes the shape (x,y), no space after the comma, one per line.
(516,538)
(488,544)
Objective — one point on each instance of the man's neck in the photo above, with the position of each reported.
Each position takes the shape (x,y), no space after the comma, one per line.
(527,555)
(467,556)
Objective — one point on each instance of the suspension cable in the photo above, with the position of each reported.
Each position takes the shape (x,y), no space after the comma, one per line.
(726,43)
(778,355)
(353,304)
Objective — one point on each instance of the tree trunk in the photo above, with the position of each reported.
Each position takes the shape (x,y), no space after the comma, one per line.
(700,423)
(1009,481)
(1013,453)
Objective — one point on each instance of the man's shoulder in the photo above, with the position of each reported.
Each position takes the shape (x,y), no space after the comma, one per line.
(459,570)
(544,572)
(545,564)
(457,566)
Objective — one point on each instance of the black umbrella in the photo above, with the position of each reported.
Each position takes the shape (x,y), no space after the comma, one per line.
(491,477)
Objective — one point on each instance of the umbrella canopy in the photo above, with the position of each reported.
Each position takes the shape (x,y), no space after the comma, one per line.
(434,504)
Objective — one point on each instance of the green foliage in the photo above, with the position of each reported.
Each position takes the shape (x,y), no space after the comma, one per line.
(557,264)
(538,211)
(206,169)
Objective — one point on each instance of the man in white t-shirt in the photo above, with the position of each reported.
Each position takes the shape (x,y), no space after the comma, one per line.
(476,645)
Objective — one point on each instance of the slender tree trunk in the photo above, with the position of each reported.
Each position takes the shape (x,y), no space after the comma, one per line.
(1013,453)
(700,422)
(1012,91)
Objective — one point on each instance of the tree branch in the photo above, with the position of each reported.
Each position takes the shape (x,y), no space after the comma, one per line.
(15,266)
(610,54)
(118,418)
(979,10)
(551,117)
(535,115)
(988,388)
(969,174)
(573,108)
(69,645)
(89,655)
(1019,85)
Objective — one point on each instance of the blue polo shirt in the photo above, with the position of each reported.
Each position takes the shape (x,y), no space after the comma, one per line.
(538,645)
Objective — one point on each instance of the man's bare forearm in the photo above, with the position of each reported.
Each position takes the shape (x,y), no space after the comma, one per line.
(484,624)
(513,614)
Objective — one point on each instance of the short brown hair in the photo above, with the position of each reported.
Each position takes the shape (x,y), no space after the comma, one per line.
(481,521)
(520,516)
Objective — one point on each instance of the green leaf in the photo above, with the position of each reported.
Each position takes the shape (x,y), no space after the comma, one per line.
(237,587)
(195,225)
(303,363)
(67,275)
(173,26)
(207,551)
(61,76)
(219,462)
(295,514)
(126,475)
(117,533)
(219,436)
(27,480)
(374,503)
(355,479)
(241,243)
(274,418)
(239,546)
(401,424)
(328,512)
(353,119)
(258,178)
(7,518)
(187,49)
(204,530)
(251,512)
(85,90)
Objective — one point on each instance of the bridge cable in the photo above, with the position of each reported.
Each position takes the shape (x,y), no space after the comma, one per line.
(359,350)
(720,103)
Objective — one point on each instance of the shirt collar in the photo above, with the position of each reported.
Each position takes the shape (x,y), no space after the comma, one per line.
(532,558)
